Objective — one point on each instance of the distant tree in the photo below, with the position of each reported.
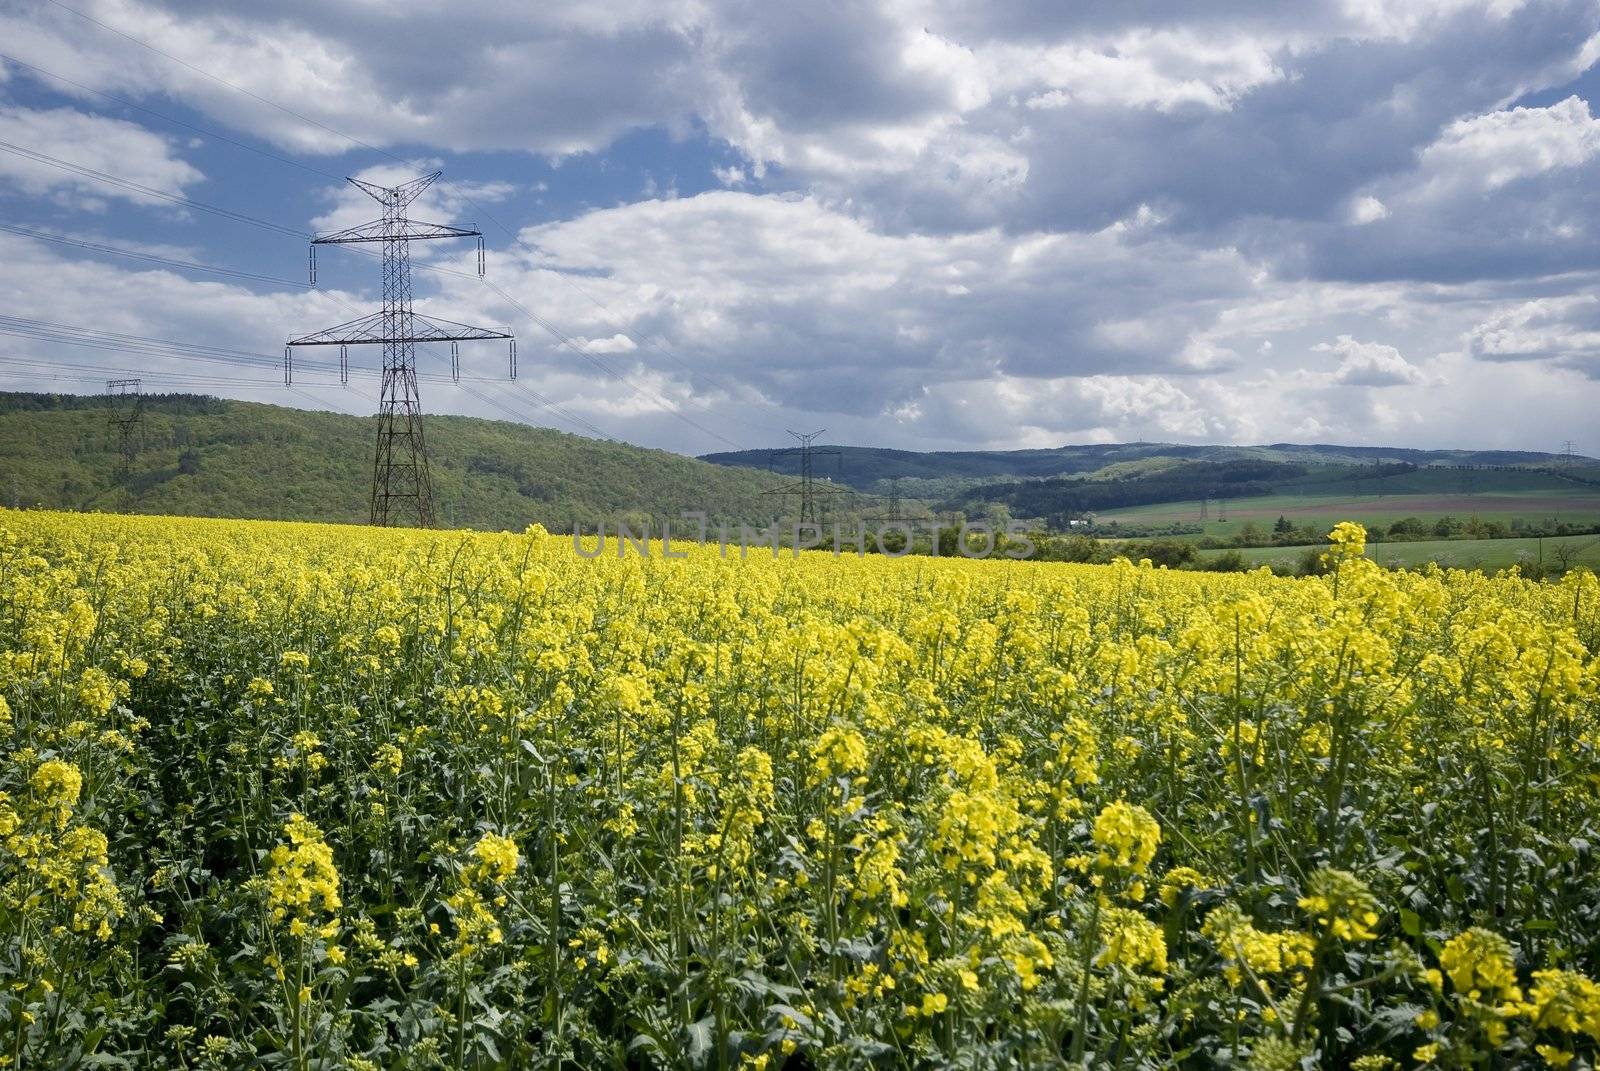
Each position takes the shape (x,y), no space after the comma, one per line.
(1173,553)
(1408,528)
(189,461)
(1282,526)
(1566,555)
(1311,563)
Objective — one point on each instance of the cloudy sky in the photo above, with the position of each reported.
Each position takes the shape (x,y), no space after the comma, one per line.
(918,223)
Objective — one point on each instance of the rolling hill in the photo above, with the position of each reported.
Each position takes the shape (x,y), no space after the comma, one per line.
(866,468)
(208,457)
(1156,484)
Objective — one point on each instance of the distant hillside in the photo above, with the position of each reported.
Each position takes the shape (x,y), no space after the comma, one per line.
(1125,484)
(1289,487)
(867,468)
(209,457)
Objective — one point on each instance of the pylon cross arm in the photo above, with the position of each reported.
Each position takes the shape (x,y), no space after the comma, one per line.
(387,230)
(369,331)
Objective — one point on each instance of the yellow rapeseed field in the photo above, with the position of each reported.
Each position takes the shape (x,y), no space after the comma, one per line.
(311,796)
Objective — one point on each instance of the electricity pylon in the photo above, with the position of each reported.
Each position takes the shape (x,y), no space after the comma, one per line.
(805,489)
(127,417)
(400,462)
(894,516)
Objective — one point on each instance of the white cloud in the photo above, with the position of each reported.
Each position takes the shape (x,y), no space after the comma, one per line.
(1367,209)
(1561,328)
(121,149)
(617,343)
(1488,151)
(1404,19)
(1369,364)
(1164,70)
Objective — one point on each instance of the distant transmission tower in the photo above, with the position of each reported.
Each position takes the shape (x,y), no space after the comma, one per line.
(127,417)
(894,515)
(1205,513)
(400,463)
(805,489)
(1568,457)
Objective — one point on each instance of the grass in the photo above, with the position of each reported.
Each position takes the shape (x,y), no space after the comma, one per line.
(1572,504)
(1465,553)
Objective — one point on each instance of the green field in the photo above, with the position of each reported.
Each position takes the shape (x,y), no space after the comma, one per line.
(1569,503)
(1464,553)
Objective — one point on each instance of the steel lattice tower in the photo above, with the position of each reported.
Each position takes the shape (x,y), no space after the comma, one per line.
(127,417)
(400,461)
(894,500)
(806,489)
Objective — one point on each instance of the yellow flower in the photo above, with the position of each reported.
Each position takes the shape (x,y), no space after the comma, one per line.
(1127,836)
(1131,941)
(1478,963)
(1348,539)
(1265,954)
(839,752)
(495,858)
(1178,879)
(1566,1001)
(302,881)
(56,785)
(1342,905)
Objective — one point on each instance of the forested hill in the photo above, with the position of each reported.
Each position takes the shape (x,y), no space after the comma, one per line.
(208,457)
(944,472)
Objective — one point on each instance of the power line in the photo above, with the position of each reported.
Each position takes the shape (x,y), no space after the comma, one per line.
(99,376)
(97,247)
(37,370)
(56,332)
(609,317)
(125,399)
(220,81)
(206,131)
(806,489)
(546,325)
(400,463)
(465,196)
(149,191)
(67,334)
(573,345)
(562,338)
(538,399)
